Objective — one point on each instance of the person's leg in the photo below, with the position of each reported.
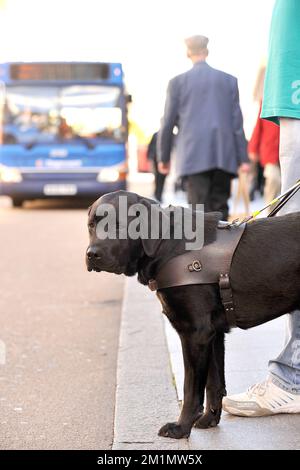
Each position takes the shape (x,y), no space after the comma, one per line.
(280,393)
(159,181)
(220,192)
(159,185)
(253,180)
(198,189)
(272,182)
(260,179)
(285,369)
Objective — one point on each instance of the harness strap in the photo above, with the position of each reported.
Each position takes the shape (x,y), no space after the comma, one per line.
(210,265)
(227,298)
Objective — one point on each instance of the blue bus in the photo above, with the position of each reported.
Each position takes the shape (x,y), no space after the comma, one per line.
(63,129)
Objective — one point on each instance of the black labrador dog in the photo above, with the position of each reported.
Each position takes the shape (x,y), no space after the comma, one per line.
(265,279)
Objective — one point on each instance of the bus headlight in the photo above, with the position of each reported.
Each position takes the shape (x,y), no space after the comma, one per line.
(10,175)
(110,175)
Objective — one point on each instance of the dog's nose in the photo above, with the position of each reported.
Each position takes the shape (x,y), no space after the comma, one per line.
(92,254)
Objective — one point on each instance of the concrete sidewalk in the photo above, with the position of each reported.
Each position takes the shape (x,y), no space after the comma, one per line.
(149,385)
(145,396)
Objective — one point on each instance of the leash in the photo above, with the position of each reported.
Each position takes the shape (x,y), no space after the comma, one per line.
(278,202)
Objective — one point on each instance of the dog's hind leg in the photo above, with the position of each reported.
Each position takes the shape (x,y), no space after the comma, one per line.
(215,386)
(196,348)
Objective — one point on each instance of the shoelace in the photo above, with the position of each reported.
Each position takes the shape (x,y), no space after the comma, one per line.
(276,400)
(258,389)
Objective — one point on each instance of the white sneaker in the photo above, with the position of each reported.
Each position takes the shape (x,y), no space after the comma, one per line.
(262,399)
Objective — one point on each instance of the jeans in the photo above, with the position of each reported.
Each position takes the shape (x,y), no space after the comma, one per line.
(285,369)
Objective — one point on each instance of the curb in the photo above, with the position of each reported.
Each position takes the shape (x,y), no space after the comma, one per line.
(145,395)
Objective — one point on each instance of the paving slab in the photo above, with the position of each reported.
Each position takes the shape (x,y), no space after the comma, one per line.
(247,356)
(145,396)
(149,393)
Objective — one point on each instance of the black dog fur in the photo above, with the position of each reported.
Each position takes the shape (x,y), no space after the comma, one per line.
(265,282)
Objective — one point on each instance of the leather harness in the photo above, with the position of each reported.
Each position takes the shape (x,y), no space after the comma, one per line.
(210,265)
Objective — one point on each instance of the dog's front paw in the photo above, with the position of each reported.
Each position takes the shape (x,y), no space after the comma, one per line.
(209,419)
(174,430)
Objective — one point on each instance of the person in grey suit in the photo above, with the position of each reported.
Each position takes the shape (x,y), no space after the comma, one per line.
(210,146)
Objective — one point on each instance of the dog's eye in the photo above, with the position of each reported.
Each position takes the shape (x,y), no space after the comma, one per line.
(91,225)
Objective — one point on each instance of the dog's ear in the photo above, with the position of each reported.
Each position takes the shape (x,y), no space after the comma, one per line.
(156,215)
(151,246)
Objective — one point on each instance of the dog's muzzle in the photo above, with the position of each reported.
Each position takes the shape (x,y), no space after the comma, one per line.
(92,258)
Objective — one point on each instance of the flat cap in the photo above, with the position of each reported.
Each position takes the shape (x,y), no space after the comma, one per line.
(196,44)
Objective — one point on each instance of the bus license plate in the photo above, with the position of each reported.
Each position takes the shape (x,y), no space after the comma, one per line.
(60,189)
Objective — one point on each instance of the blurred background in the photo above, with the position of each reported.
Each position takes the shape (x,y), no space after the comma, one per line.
(147,38)
(72,132)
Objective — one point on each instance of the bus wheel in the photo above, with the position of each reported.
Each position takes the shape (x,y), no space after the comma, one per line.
(16,202)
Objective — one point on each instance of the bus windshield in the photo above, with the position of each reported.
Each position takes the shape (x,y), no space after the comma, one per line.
(52,114)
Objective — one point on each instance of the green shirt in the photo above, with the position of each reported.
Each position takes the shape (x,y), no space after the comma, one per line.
(282,82)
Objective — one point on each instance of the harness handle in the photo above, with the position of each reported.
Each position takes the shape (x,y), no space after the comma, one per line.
(283,201)
(278,202)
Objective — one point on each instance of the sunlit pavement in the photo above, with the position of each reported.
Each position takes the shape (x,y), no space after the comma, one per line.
(247,355)
(149,391)
(60,329)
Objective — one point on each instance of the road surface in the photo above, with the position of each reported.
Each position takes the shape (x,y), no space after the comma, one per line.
(60,329)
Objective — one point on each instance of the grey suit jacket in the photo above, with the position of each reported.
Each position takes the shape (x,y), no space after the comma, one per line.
(204,104)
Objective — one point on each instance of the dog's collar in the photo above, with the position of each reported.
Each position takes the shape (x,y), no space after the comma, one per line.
(209,265)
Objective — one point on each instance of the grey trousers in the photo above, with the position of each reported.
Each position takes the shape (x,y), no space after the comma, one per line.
(285,369)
